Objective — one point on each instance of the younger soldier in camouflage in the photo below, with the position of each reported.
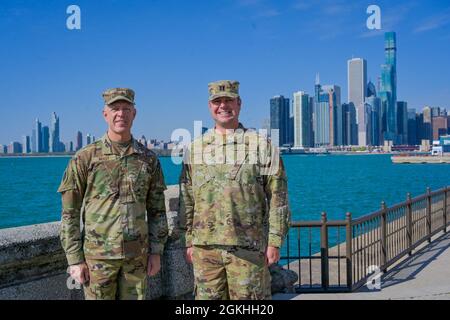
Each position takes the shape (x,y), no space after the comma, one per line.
(116,187)
(233,190)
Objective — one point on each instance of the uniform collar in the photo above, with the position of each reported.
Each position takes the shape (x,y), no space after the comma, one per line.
(107,145)
(211,135)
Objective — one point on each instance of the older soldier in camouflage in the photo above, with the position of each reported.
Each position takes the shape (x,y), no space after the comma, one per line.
(233,190)
(116,186)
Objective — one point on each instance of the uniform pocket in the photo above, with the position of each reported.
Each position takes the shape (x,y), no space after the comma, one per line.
(103,179)
(201,177)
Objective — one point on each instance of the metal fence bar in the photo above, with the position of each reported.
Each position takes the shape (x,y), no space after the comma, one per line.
(348,249)
(339,254)
(429,214)
(383,236)
(299,260)
(409,223)
(310,261)
(324,252)
(444,213)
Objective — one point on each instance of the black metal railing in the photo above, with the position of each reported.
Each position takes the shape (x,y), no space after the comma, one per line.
(358,247)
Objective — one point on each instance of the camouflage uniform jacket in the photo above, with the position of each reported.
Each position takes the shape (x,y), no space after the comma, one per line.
(237,201)
(120,199)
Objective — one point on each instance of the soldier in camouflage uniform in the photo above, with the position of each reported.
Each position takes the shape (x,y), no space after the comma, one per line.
(116,186)
(233,190)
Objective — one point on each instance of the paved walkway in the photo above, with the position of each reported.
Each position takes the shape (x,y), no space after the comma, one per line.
(424,275)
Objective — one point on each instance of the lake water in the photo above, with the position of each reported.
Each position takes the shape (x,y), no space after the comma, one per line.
(332,183)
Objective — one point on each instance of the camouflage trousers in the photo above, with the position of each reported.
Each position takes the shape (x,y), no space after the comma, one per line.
(123,279)
(230,272)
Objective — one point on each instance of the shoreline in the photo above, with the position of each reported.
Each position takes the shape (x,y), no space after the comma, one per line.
(165,155)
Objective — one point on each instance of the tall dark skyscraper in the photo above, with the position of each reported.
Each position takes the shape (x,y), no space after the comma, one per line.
(402,122)
(371,90)
(280,119)
(38,136)
(374,105)
(412,127)
(54,133)
(350,128)
(425,125)
(388,93)
(79,144)
(45,139)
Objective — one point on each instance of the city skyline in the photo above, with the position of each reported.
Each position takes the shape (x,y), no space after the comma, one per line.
(369,118)
(67,70)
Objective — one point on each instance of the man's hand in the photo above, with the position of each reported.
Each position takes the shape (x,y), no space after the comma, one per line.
(154,264)
(79,272)
(272,255)
(189,251)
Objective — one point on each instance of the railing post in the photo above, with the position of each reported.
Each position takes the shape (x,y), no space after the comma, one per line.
(383,237)
(324,252)
(429,214)
(445,209)
(348,250)
(409,223)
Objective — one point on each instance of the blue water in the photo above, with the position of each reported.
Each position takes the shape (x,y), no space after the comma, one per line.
(28,188)
(332,183)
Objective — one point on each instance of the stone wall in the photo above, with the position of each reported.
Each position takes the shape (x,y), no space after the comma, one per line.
(33,264)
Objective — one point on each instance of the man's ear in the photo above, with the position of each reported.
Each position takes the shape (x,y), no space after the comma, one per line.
(104,113)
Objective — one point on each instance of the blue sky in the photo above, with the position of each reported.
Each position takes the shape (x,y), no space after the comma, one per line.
(168,50)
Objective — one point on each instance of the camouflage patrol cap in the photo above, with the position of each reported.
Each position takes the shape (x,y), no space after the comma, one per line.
(223,88)
(116,94)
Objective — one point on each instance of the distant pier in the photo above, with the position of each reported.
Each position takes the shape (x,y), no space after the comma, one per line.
(421,159)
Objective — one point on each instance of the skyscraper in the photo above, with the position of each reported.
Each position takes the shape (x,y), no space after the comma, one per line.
(439,127)
(371,91)
(321,114)
(426,132)
(402,122)
(334,101)
(302,119)
(435,111)
(412,127)
(357,89)
(79,140)
(26,144)
(388,93)
(373,103)
(350,132)
(15,147)
(45,139)
(279,120)
(88,139)
(38,136)
(33,141)
(54,133)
